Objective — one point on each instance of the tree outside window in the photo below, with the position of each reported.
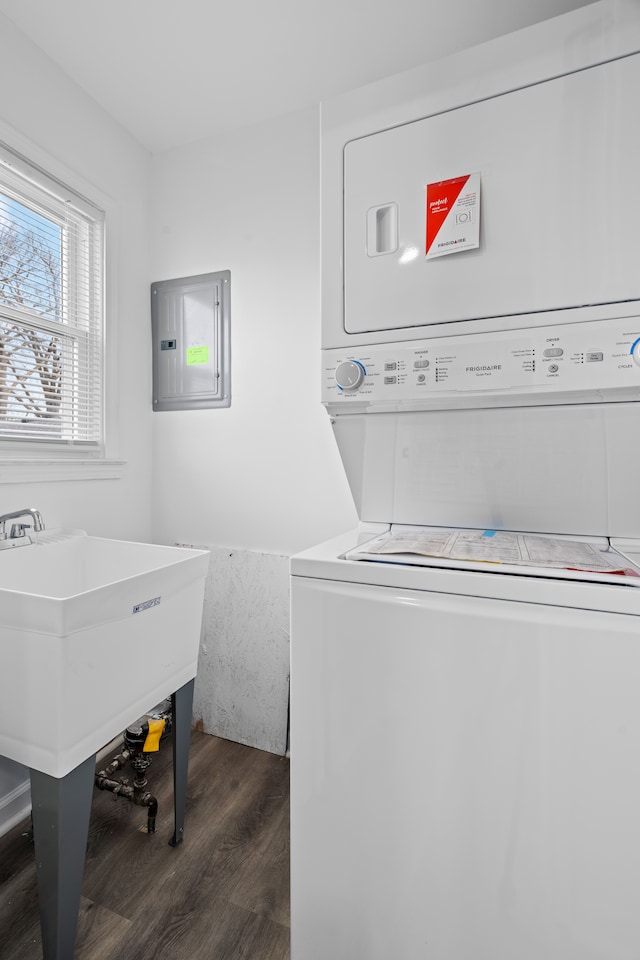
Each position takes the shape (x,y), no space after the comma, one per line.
(30,279)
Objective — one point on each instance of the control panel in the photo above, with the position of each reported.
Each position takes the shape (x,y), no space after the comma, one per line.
(592,357)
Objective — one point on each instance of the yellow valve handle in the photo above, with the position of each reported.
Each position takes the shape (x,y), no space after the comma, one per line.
(152,743)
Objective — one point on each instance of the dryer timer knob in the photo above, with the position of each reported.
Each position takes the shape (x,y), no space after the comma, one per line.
(349,374)
(635,351)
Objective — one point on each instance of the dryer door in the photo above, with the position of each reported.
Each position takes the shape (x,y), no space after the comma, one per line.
(557,208)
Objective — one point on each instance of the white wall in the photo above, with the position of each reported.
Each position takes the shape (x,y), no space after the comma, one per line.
(263,474)
(42,107)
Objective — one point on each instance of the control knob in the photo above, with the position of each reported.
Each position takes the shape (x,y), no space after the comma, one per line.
(349,374)
(635,351)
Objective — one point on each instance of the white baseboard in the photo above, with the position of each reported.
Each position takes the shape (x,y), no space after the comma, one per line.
(14,807)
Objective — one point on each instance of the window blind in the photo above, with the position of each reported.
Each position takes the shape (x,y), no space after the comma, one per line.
(51,309)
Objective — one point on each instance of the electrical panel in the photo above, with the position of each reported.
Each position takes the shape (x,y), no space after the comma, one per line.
(190,319)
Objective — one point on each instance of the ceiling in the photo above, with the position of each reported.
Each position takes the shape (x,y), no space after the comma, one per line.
(175,72)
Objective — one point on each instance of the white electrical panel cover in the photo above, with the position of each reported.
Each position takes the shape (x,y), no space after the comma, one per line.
(190,319)
(552,221)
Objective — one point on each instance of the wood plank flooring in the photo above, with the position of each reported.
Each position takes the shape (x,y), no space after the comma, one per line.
(223,894)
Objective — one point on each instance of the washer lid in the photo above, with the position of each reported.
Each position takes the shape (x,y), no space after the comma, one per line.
(328,562)
(587,559)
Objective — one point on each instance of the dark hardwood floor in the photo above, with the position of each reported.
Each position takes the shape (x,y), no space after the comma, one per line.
(223,894)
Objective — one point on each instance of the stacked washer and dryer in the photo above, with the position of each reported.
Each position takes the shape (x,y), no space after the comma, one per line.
(465,716)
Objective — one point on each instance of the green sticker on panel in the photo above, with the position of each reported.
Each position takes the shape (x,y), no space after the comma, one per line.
(197,355)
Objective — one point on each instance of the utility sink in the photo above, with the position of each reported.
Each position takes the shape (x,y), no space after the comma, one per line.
(93,633)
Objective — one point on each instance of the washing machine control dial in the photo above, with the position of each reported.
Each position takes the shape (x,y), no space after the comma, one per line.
(349,374)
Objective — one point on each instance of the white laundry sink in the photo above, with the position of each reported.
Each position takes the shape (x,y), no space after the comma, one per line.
(93,632)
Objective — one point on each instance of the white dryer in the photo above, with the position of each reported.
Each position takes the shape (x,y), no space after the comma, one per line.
(465,715)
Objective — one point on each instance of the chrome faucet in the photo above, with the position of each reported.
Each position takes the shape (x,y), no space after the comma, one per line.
(18,536)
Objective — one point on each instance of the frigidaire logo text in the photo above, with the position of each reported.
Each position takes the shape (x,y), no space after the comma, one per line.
(488,366)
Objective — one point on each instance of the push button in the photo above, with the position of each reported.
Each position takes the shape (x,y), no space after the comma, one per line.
(553,352)
(593,357)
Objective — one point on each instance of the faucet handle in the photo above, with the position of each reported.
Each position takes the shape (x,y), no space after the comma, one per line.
(18,530)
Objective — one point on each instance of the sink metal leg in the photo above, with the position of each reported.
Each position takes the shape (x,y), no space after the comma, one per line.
(61,809)
(182,706)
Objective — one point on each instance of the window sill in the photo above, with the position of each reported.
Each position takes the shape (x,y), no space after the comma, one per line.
(25,470)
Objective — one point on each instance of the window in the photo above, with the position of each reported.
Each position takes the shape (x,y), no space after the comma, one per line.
(51,311)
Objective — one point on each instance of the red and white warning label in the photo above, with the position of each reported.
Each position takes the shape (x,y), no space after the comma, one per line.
(453,215)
